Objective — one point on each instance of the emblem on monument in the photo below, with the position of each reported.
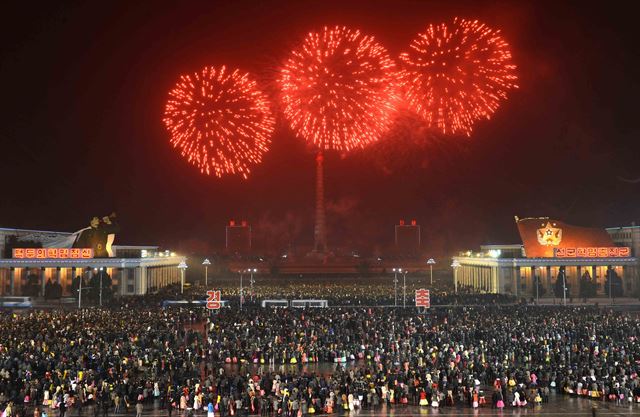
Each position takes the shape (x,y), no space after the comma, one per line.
(549,235)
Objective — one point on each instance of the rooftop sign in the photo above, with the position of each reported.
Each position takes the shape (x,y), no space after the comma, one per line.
(52,253)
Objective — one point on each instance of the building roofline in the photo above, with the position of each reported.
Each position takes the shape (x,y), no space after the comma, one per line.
(518,219)
(93,262)
(546,261)
(135,246)
(7,229)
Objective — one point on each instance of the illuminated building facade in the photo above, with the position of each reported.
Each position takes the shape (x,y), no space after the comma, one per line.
(591,262)
(34,256)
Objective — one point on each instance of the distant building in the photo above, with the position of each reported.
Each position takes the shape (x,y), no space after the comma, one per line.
(407,238)
(238,237)
(31,258)
(552,253)
(626,236)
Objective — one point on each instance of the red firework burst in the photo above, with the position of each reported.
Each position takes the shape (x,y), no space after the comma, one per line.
(219,121)
(338,89)
(456,74)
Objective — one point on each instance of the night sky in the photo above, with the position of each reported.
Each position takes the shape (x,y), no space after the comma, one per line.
(84,88)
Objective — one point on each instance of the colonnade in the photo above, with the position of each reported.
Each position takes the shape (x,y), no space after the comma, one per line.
(137,280)
(482,278)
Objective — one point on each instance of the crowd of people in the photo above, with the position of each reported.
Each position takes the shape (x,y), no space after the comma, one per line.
(312,361)
(375,292)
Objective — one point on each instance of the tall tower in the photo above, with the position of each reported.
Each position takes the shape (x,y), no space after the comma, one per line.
(319,232)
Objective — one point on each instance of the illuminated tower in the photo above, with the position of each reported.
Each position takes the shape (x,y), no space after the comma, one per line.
(320,232)
(338,92)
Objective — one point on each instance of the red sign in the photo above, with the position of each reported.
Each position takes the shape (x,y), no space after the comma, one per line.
(52,253)
(540,236)
(213,300)
(605,252)
(422,298)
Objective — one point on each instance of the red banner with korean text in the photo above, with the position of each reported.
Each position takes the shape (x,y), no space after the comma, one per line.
(593,252)
(423,298)
(52,253)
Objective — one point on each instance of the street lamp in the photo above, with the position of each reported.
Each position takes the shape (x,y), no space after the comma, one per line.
(404,289)
(80,291)
(250,271)
(206,264)
(564,286)
(431,262)
(241,300)
(395,285)
(251,280)
(182,266)
(101,269)
(455,265)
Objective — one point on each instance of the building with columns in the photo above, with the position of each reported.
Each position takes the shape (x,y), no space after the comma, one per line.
(626,236)
(134,270)
(552,250)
